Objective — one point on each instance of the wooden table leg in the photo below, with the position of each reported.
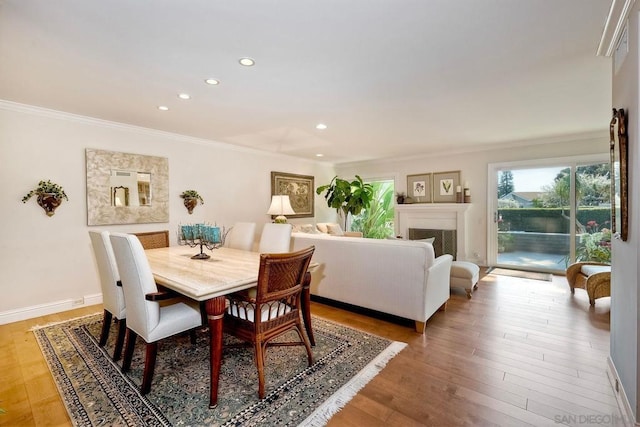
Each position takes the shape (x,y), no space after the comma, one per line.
(306,307)
(215,315)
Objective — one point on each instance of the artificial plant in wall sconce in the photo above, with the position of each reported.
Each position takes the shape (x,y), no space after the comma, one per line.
(49,194)
(191,198)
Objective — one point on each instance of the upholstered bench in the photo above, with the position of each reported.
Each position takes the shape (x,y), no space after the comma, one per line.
(464,275)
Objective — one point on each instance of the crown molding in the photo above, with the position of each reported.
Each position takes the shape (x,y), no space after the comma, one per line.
(509,145)
(62,115)
(613,26)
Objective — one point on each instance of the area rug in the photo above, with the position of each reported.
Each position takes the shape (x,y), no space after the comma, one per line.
(97,393)
(548,277)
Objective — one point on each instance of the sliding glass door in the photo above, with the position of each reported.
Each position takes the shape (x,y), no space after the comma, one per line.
(545,215)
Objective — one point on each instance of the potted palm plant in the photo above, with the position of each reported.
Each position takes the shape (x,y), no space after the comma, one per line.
(191,198)
(49,196)
(347,197)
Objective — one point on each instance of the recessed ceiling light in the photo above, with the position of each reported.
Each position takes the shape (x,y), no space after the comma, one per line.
(321,126)
(184,96)
(163,108)
(247,62)
(212,81)
(319,155)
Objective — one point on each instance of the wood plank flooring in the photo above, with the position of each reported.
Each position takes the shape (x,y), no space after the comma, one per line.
(520,352)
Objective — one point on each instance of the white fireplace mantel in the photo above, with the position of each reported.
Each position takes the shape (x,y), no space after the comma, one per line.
(438,216)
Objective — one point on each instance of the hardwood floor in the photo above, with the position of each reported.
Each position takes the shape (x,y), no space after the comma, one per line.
(521,352)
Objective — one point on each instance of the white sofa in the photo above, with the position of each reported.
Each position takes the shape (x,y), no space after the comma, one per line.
(398,277)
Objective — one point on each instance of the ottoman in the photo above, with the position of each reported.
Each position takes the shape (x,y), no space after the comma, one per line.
(464,275)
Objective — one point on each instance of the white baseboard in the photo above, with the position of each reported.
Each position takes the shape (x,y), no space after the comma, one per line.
(49,308)
(628,419)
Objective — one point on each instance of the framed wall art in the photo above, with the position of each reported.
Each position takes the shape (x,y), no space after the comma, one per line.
(619,164)
(299,188)
(444,186)
(419,187)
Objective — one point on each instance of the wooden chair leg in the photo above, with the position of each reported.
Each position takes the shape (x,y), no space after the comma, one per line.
(122,329)
(128,350)
(149,366)
(306,343)
(106,324)
(305,304)
(192,336)
(260,365)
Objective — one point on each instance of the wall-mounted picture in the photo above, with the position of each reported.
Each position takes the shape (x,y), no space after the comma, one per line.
(419,187)
(444,186)
(299,188)
(619,166)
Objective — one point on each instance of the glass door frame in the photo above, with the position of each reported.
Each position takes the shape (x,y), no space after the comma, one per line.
(492,197)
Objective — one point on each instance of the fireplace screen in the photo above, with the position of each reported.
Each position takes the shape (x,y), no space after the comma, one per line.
(444,243)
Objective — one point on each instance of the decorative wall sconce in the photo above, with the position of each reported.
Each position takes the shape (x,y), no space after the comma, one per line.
(49,194)
(191,198)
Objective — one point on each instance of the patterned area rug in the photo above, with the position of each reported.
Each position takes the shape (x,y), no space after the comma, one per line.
(97,393)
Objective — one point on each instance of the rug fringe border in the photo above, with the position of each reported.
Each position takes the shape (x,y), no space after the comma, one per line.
(340,398)
(37,327)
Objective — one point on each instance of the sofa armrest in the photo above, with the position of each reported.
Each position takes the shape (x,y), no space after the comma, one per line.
(437,289)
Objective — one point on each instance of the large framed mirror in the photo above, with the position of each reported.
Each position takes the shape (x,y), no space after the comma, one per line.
(125,188)
(619,164)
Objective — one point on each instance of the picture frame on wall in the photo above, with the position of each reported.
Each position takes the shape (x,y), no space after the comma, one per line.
(299,188)
(419,187)
(444,186)
(619,172)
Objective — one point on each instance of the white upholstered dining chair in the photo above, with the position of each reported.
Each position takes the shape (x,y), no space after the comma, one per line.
(112,294)
(275,238)
(145,316)
(241,236)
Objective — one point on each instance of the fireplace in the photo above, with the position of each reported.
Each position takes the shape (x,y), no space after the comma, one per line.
(447,219)
(445,241)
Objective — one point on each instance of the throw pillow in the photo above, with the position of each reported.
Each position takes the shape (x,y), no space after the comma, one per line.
(429,240)
(322,227)
(306,228)
(335,230)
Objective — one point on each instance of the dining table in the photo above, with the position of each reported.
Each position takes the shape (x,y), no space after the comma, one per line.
(209,281)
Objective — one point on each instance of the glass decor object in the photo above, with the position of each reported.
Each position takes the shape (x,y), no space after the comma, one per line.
(203,235)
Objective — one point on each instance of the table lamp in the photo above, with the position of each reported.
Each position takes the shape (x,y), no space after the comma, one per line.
(280,206)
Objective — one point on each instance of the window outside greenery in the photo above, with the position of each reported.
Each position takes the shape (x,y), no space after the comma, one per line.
(377,221)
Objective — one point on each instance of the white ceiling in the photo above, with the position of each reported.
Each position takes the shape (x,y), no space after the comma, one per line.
(390,78)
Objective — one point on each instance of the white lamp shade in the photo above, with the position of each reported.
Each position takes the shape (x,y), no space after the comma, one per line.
(280,205)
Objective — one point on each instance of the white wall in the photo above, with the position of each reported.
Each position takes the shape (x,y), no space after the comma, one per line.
(47,262)
(473,167)
(625,299)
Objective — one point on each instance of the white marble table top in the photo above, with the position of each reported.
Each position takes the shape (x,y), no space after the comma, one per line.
(228,270)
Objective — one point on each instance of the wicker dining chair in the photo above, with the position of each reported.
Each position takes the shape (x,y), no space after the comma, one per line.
(154,239)
(275,309)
